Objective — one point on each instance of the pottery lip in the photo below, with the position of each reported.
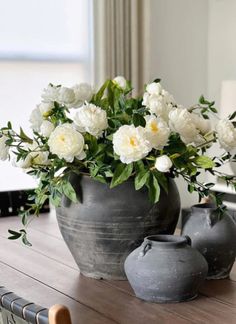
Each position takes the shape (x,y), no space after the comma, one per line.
(205,208)
(165,240)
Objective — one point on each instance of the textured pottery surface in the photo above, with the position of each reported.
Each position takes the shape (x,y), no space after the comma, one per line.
(215,238)
(166,269)
(107,224)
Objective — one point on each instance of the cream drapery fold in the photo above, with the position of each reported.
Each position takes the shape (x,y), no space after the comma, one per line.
(121,40)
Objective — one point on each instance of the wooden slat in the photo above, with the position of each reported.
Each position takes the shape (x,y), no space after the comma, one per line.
(38,293)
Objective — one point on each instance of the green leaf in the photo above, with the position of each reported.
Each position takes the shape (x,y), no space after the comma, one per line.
(98,96)
(25,240)
(139,120)
(121,174)
(24,137)
(162,180)
(69,191)
(153,189)
(141,178)
(14,235)
(232,116)
(204,162)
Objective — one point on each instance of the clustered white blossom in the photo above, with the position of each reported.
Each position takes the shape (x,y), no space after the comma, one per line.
(189,126)
(158,101)
(130,143)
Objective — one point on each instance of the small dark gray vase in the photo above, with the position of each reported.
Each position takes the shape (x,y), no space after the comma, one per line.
(213,236)
(166,269)
(107,224)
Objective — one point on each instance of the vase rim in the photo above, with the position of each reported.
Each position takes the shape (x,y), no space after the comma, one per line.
(204,207)
(166,240)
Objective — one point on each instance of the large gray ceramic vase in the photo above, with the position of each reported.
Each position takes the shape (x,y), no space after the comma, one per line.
(107,224)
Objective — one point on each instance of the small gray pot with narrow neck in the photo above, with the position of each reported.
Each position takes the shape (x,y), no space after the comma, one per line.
(213,236)
(107,224)
(166,269)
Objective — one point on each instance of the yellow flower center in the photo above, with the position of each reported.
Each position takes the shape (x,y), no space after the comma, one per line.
(154,127)
(133,141)
(62,138)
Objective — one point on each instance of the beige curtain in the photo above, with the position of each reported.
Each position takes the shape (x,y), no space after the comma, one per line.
(121,40)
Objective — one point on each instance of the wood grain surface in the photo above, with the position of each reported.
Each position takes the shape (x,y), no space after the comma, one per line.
(47,274)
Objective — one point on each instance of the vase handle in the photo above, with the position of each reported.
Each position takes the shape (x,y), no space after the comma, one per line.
(145,249)
(188,240)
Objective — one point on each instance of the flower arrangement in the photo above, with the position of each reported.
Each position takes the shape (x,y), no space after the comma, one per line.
(112,137)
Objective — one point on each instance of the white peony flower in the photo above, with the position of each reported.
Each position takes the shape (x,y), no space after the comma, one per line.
(46,128)
(23,164)
(163,163)
(189,126)
(91,119)
(83,92)
(50,93)
(120,81)
(67,143)
(36,119)
(45,108)
(35,157)
(157,131)
(130,143)
(202,124)
(4,149)
(66,96)
(39,158)
(226,134)
(158,100)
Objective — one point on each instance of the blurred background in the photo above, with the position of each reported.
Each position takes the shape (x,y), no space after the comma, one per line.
(189,44)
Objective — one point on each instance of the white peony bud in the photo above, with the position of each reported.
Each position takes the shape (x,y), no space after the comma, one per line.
(157,131)
(67,143)
(83,92)
(154,88)
(226,134)
(66,96)
(4,149)
(91,119)
(130,143)
(120,81)
(46,128)
(163,163)
(36,119)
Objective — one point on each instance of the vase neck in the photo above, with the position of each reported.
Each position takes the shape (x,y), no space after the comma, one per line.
(166,241)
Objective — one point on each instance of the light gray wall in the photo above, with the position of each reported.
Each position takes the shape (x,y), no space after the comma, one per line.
(178,54)
(221,44)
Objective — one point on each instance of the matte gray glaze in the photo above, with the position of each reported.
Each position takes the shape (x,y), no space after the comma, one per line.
(215,238)
(166,269)
(107,224)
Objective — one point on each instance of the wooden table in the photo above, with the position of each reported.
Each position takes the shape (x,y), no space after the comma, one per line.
(47,274)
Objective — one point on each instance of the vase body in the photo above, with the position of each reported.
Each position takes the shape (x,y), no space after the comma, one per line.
(166,269)
(107,224)
(213,236)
